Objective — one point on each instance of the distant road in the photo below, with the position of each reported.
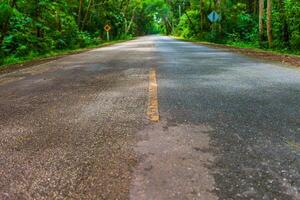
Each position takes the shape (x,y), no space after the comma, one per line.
(153,118)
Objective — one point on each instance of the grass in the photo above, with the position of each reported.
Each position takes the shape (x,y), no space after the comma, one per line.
(12,60)
(246,45)
(254,46)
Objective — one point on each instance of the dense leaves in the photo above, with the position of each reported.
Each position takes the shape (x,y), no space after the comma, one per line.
(239,22)
(34,27)
(29,28)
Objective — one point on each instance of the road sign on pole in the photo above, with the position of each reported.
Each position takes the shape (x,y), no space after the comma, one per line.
(214,16)
(107,28)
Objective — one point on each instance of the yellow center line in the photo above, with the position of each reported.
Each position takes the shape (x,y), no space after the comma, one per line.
(153,100)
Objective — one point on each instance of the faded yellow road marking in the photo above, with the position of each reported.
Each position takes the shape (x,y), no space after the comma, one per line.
(153,100)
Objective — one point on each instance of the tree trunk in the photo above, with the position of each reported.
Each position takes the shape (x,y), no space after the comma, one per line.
(201,15)
(254,7)
(86,14)
(285,26)
(191,22)
(168,26)
(269,23)
(130,24)
(261,22)
(219,9)
(13,3)
(5,25)
(39,33)
(128,27)
(79,12)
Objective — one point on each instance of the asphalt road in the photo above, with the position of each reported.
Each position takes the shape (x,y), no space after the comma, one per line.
(77,127)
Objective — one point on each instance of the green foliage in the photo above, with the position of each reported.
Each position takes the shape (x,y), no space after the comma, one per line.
(293,14)
(5,12)
(239,22)
(31,28)
(243,25)
(188,26)
(35,27)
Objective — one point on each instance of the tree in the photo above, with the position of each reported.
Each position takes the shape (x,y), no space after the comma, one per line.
(79,11)
(38,26)
(261,21)
(201,3)
(219,9)
(269,22)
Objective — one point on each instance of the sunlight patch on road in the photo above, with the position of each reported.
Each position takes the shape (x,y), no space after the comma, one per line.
(153,113)
(6,80)
(293,145)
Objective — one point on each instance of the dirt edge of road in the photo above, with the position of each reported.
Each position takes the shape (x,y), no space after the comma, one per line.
(266,55)
(14,67)
(291,60)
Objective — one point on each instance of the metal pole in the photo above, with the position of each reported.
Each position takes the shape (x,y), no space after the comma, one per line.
(107,35)
(179,8)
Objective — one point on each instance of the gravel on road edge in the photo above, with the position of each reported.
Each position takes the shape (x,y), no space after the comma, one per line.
(291,60)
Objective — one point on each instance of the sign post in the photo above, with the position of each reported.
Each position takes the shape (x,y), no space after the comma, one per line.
(107,28)
(213,18)
(107,35)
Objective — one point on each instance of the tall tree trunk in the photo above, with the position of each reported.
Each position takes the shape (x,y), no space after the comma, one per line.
(168,26)
(201,15)
(219,9)
(261,22)
(5,25)
(13,3)
(86,14)
(210,5)
(254,7)
(191,22)
(269,23)
(250,5)
(128,27)
(39,33)
(79,12)
(285,26)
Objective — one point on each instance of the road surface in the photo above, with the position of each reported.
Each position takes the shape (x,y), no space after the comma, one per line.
(153,118)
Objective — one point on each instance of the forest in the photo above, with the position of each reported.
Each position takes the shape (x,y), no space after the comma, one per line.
(33,28)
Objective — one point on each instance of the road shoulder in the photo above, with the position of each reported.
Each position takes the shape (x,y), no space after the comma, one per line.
(42,60)
(285,59)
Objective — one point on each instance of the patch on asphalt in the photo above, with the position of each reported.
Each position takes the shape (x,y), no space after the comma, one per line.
(6,80)
(173,164)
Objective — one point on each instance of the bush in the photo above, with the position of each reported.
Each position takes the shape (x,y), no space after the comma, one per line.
(22,51)
(84,39)
(5,12)
(295,40)
(187,28)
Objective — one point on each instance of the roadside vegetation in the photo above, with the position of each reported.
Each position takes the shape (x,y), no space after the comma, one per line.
(264,24)
(39,28)
(32,29)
